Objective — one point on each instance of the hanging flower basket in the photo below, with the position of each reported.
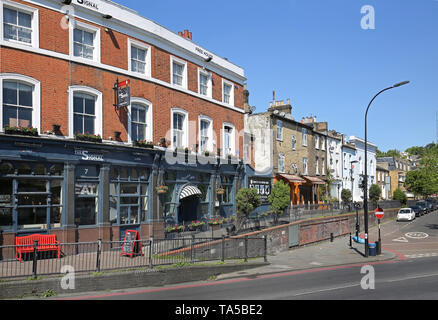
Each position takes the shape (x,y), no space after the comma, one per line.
(220,190)
(162,189)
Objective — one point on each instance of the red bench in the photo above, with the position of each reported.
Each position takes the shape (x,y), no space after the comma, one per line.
(46,242)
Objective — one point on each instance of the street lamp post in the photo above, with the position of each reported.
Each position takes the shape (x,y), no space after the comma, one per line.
(365,191)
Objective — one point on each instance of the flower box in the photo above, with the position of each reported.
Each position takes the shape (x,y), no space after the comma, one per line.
(88,137)
(175,228)
(24,131)
(144,144)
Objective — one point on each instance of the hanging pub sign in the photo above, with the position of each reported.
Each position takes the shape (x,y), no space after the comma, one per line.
(131,244)
(122,94)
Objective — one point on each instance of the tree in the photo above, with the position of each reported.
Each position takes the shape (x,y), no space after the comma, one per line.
(374,194)
(247,200)
(279,199)
(400,196)
(346,196)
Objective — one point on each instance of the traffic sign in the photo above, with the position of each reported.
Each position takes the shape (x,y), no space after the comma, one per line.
(380,213)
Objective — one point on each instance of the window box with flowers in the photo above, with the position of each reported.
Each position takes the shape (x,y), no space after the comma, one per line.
(24,131)
(196,225)
(88,137)
(144,144)
(175,228)
(162,189)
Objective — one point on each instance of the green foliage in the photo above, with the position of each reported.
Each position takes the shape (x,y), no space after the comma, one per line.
(346,195)
(400,196)
(247,200)
(279,198)
(375,193)
(389,153)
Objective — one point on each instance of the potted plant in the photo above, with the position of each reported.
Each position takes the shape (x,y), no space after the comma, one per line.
(162,189)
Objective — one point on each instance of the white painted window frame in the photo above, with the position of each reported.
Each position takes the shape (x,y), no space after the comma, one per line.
(36,97)
(232,139)
(185,127)
(149,118)
(184,75)
(73,24)
(281,168)
(35,22)
(210,132)
(229,83)
(201,71)
(98,125)
(142,46)
(279,133)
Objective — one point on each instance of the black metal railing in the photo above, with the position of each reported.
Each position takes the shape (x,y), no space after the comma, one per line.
(100,256)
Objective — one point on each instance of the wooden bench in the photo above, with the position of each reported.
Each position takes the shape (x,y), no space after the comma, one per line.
(46,242)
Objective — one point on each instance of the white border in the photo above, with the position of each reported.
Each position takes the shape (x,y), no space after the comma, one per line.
(36,97)
(98,108)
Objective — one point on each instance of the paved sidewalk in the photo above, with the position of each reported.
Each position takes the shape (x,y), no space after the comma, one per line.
(320,255)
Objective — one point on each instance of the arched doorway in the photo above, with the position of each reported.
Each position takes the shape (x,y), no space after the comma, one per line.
(189,204)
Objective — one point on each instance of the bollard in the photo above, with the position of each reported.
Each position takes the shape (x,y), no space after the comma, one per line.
(265,254)
(223,249)
(192,250)
(246,248)
(35,259)
(99,249)
(331,237)
(151,251)
(351,242)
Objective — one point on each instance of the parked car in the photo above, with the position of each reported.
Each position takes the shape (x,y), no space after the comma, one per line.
(406,214)
(417,210)
(423,207)
(433,204)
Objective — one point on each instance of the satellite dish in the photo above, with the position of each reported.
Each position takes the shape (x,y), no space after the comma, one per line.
(276,112)
(252,109)
(282,114)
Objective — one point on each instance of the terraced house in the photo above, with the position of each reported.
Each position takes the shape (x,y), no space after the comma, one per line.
(99,108)
(292,150)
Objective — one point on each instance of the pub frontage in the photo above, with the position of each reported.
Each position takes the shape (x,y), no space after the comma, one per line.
(85,191)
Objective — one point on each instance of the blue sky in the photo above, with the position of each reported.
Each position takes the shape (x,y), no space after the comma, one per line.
(316,53)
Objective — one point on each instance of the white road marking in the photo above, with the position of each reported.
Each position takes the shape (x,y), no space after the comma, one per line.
(417,235)
(328,289)
(401,239)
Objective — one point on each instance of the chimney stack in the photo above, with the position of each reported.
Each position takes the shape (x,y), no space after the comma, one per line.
(187,34)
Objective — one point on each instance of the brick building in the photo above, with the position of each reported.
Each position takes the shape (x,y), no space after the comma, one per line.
(59,64)
(290,149)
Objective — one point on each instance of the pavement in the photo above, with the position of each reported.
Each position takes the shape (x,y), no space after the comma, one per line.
(316,256)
